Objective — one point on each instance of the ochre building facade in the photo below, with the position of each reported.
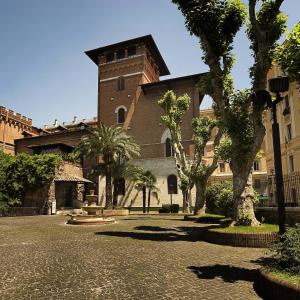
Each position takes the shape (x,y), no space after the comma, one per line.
(13,126)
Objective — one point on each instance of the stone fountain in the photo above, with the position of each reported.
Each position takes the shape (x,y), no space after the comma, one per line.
(92,214)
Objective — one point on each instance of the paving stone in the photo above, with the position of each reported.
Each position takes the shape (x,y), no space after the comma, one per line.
(139,257)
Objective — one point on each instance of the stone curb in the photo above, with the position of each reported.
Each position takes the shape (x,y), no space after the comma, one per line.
(251,240)
(275,288)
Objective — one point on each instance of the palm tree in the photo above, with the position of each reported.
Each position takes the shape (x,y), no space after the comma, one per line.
(141,181)
(122,169)
(150,185)
(146,180)
(109,143)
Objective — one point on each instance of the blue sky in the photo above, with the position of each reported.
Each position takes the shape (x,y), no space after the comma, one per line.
(44,73)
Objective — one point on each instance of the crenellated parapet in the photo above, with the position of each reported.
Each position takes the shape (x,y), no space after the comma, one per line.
(12,117)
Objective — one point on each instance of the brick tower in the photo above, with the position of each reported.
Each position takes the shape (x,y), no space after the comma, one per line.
(122,68)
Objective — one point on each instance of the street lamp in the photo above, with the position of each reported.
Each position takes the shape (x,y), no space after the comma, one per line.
(278,85)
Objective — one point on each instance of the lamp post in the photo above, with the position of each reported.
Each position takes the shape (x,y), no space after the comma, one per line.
(278,85)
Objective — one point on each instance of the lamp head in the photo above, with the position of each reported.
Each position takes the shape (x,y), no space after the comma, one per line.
(279,84)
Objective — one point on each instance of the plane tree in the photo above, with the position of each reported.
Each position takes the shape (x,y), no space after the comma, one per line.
(216,23)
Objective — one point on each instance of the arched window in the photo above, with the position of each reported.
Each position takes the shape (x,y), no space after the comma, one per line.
(121,115)
(172,184)
(168,148)
(121,186)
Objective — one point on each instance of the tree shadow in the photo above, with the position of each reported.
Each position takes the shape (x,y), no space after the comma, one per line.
(156,233)
(154,228)
(231,274)
(226,272)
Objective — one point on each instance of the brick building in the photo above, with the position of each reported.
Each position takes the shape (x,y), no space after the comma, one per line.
(13,126)
(129,88)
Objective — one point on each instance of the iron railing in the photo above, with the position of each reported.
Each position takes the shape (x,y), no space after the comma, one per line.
(291,185)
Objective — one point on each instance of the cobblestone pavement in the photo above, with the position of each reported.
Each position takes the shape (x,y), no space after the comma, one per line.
(139,257)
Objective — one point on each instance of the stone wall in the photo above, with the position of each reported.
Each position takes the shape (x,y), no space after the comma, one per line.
(20,211)
(161,168)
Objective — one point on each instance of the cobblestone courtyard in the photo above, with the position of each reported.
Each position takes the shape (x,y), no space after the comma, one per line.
(139,257)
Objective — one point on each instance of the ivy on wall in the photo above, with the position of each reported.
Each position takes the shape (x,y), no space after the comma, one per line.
(24,172)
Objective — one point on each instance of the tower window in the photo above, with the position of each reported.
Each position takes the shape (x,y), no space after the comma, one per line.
(172,184)
(121,54)
(110,56)
(131,51)
(168,148)
(222,167)
(121,115)
(256,165)
(121,84)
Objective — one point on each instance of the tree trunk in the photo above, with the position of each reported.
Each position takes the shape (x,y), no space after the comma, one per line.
(149,196)
(243,196)
(200,198)
(108,188)
(144,199)
(115,193)
(184,200)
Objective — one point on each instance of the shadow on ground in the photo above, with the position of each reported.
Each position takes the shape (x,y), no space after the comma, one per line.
(156,233)
(231,274)
(226,272)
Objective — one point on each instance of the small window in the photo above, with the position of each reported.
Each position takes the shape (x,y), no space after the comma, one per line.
(291,163)
(131,51)
(121,115)
(168,148)
(110,56)
(222,167)
(256,165)
(172,184)
(289,132)
(121,54)
(121,84)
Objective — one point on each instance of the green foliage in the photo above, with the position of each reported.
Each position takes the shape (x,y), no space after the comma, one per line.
(175,108)
(224,149)
(215,23)
(287,257)
(109,142)
(264,228)
(288,54)
(210,219)
(24,172)
(145,179)
(202,128)
(218,19)
(219,198)
(169,208)
(239,124)
(263,33)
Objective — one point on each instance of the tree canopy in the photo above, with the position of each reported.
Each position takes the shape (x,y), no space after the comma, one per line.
(288,54)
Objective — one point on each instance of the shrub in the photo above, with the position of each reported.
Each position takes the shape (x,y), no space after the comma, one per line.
(24,172)
(287,257)
(219,198)
(169,208)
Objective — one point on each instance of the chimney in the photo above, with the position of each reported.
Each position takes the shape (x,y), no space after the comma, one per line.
(74,119)
(45,126)
(55,123)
